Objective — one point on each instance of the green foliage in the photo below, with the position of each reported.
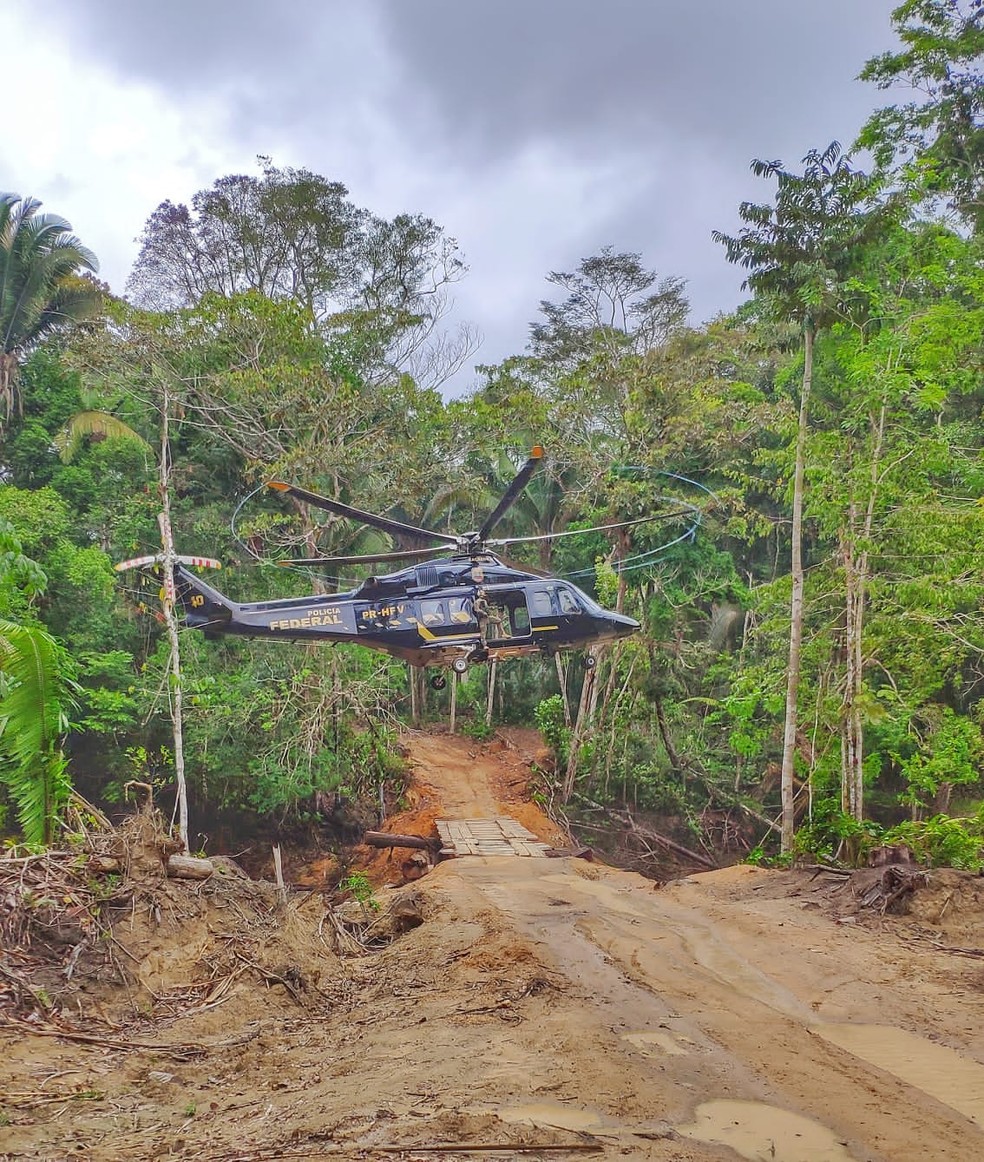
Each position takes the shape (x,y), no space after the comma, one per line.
(942,841)
(21,578)
(802,250)
(939,841)
(40,285)
(935,142)
(34,696)
(759,857)
(835,834)
(951,753)
(478,729)
(358,886)
(549,717)
(69,439)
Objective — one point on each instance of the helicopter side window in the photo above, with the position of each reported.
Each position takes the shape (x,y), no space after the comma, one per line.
(460,610)
(432,613)
(540,602)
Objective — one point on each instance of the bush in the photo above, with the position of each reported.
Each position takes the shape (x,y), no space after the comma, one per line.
(549,716)
(942,841)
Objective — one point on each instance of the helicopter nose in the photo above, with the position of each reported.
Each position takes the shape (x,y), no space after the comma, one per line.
(623,626)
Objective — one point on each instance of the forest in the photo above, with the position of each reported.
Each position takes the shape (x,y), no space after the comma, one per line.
(809,676)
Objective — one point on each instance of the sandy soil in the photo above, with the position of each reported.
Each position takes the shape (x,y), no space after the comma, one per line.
(526,1008)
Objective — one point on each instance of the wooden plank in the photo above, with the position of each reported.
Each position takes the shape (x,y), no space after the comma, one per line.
(499,836)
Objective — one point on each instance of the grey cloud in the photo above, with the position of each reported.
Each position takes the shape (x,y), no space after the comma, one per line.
(433,105)
(629,74)
(488,77)
(199,44)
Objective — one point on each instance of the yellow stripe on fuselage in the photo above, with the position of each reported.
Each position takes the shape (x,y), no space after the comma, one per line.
(426,634)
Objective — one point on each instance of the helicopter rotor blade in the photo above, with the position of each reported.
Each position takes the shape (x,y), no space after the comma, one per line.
(512,564)
(387,524)
(624,524)
(367,558)
(512,492)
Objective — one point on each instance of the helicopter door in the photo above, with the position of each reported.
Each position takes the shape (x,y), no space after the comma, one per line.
(509,616)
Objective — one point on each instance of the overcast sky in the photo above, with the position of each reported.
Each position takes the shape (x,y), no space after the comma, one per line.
(534,131)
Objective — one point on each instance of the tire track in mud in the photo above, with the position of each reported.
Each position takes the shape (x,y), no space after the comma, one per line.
(719,1046)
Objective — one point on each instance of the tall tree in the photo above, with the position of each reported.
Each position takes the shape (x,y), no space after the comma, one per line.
(801,252)
(938,139)
(378,286)
(41,288)
(287,234)
(612,303)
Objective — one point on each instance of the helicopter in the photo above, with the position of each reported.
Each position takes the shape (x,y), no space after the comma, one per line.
(458,605)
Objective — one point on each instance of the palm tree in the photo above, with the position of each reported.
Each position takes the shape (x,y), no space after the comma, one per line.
(41,283)
(92,422)
(33,697)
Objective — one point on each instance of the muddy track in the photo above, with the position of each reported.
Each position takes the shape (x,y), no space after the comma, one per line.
(555,1008)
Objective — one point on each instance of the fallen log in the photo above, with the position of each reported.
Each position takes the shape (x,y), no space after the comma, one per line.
(188,867)
(646,833)
(671,845)
(386,839)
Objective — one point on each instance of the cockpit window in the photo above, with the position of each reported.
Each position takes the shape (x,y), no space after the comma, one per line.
(589,603)
(568,602)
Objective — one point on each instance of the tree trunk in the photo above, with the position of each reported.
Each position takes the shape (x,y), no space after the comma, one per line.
(493,671)
(8,382)
(562,679)
(796,601)
(581,725)
(855,586)
(175,691)
(454,699)
(624,547)
(417,693)
(174,665)
(852,730)
(598,652)
(672,754)
(189,867)
(392,839)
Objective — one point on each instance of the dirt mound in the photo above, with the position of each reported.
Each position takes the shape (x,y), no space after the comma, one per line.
(101,931)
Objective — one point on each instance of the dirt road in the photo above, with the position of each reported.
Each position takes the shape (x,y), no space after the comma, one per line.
(555,1008)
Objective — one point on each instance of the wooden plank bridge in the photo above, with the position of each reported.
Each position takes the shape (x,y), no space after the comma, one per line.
(502,836)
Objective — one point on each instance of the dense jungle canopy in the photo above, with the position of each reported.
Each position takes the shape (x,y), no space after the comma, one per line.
(813,648)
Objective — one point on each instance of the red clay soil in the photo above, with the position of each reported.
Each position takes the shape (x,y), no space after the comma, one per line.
(454,777)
